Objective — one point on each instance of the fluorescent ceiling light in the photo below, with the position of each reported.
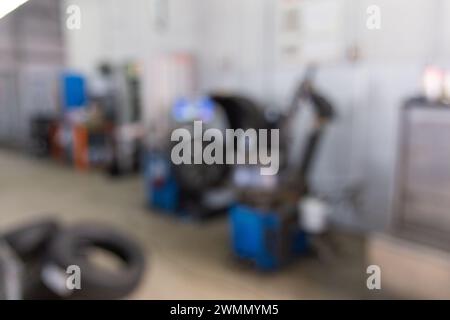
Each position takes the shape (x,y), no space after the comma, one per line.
(6,6)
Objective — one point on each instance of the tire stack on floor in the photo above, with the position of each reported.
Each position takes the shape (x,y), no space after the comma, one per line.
(46,252)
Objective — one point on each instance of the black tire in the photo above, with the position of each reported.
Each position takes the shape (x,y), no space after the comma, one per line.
(241,113)
(31,241)
(69,248)
(195,179)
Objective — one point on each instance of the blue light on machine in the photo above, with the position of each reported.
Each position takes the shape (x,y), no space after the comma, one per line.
(185,110)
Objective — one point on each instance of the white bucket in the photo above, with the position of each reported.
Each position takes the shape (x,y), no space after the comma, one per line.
(313,215)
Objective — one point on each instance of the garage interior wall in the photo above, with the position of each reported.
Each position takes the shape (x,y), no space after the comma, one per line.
(32,57)
(236,43)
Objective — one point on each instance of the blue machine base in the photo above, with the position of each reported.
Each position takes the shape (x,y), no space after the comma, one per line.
(256,236)
(160,184)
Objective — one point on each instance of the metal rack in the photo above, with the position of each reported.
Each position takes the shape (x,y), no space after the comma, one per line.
(422,199)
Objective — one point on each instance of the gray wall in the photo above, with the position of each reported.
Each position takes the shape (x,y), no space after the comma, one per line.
(32,55)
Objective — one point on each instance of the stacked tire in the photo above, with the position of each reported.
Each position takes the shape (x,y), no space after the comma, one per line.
(48,250)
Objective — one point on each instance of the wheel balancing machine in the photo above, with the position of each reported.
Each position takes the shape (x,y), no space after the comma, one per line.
(199,190)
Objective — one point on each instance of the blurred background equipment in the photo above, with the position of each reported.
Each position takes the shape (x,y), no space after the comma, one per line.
(422,182)
(363,175)
(419,235)
(201,189)
(42,129)
(265,223)
(130,131)
(97,124)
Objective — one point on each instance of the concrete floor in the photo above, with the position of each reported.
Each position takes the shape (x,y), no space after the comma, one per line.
(186,260)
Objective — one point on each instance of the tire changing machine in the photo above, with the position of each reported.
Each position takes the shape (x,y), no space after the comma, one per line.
(264,224)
